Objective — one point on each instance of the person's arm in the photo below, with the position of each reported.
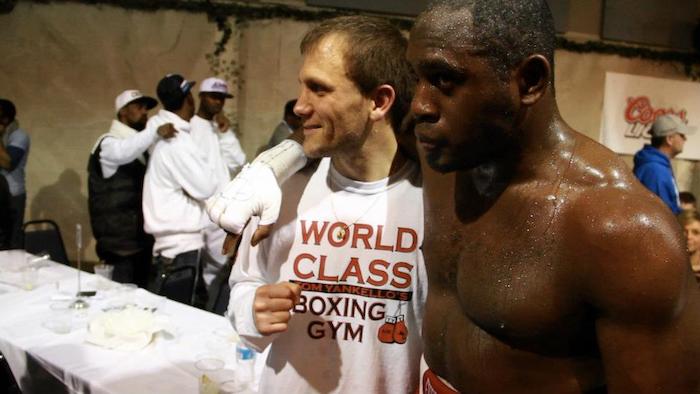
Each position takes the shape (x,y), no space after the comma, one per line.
(669,194)
(231,151)
(17,147)
(115,152)
(230,147)
(10,157)
(634,273)
(258,310)
(255,190)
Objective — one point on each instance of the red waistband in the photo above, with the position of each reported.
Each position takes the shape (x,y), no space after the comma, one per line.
(433,385)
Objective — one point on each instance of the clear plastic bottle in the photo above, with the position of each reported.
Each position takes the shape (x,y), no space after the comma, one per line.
(245,367)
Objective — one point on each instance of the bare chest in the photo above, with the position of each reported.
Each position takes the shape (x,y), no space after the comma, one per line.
(507,274)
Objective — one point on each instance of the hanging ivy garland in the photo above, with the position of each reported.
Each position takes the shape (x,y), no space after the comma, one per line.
(688,59)
(220,11)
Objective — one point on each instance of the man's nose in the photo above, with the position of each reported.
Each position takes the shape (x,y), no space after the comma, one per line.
(302,108)
(422,105)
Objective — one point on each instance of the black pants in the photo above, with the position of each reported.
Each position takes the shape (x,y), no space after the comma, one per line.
(166,279)
(17,204)
(133,268)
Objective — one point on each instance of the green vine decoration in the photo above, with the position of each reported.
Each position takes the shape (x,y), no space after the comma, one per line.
(229,69)
(687,59)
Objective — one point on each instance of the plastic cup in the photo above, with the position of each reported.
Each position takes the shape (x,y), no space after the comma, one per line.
(60,319)
(128,291)
(104,270)
(207,366)
(232,386)
(30,277)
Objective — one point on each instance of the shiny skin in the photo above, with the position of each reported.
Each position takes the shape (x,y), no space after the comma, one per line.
(551,269)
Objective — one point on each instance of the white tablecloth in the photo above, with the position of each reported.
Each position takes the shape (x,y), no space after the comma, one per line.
(43,361)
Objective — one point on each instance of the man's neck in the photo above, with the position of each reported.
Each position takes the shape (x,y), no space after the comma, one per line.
(377,158)
(183,114)
(204,115)
(667,151)
(132,127)
(543,148)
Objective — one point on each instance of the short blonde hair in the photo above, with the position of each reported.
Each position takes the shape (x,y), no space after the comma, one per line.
(687,217)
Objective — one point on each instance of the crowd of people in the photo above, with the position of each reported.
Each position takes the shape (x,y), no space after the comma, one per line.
(149,178)
(422,220)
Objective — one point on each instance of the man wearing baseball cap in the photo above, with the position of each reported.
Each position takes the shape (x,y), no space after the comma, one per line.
(179,178)
(652,164)
(116,169)
(212,133)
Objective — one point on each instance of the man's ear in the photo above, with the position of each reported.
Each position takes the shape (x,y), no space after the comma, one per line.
(121,114)
(382,99)
(669,140)
(533,77)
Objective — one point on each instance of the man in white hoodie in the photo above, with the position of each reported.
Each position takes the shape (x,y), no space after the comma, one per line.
(213,135)
(116,169)
(178,180)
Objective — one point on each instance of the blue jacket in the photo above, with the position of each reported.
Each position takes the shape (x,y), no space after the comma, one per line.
(653,169)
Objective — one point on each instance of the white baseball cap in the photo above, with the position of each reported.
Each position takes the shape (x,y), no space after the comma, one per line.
(215,85)
(670,124)
(129,96)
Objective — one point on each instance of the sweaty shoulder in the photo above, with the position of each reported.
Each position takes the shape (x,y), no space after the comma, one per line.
(623,243)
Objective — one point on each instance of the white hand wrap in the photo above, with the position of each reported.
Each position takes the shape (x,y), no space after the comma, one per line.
(255,190)
(285,159)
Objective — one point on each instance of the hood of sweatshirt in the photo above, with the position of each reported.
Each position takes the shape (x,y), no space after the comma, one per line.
(649,154)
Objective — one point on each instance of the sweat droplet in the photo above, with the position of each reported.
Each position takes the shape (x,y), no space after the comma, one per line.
(551,197)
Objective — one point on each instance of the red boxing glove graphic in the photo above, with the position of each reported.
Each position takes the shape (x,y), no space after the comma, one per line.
(400,330)
(386,331)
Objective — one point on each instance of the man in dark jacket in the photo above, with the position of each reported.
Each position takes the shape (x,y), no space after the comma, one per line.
(652,164)
(116,170)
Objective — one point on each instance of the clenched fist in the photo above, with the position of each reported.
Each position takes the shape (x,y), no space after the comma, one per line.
(272,306)
(167,131)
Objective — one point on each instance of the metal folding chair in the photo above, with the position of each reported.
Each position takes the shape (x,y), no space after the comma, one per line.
(44,236)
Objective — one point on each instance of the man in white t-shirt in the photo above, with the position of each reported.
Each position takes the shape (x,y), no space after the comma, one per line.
(213,135)
(338,287)
(178,180)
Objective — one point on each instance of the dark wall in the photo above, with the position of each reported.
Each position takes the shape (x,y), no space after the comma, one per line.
(560,8)
(652,22)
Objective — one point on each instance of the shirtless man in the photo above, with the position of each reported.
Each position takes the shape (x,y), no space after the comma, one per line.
(590,289)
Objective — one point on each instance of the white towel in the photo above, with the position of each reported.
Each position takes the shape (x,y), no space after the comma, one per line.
(129,329)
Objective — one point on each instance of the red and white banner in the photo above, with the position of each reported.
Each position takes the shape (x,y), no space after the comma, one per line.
(631,103)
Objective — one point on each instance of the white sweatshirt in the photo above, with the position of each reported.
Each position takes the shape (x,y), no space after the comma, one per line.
(178,180)
(358,287)
(222,149)
(122,145)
